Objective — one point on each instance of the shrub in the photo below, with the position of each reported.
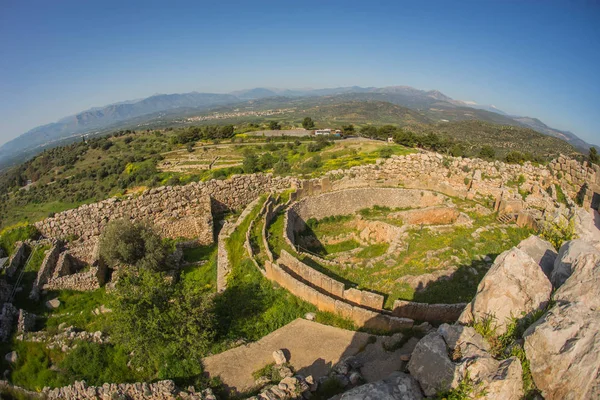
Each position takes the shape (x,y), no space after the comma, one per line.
(250,164)
(386,152)
(282,167)
(166,326)
(132,243)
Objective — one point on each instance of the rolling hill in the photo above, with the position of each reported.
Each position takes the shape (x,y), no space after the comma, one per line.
(417,106)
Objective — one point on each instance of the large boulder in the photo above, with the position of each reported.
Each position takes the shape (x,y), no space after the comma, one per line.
(514,286)
(431,366)
(584,283)
(397,386)
(585,227)
(458,336)
(563,349)
(541,251)
(569,251)
(506,382)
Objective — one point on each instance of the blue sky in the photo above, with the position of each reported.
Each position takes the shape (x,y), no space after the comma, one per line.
(534,58)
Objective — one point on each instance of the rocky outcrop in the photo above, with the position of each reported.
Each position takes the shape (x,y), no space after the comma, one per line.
(585,227)
(584,283)
(431,365)
(514,286)
(397,386)
(563,347)
(161,390)
(541,251)
(569,251)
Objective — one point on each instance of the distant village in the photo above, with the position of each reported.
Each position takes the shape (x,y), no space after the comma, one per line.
(237,113)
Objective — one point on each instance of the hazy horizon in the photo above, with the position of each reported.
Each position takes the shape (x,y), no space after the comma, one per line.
(529,59)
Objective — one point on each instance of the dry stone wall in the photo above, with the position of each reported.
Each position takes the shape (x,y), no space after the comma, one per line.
(17,259)
(46,270)
(454,176)
(223,263)
(349,201)
(362,317)
(177,211)
(428,312)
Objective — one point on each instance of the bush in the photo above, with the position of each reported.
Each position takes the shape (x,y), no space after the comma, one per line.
(166,326)
(487,153)
(126,242)
(282,167)
(250,163)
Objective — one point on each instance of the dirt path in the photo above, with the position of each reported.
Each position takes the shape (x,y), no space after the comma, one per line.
(312,349)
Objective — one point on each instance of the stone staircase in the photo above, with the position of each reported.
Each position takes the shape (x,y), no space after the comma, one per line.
(507,218)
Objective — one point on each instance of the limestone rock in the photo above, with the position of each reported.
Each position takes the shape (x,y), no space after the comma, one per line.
(541,251)
(563,349)
(279,357)
(506,382)
(569,251)
(11,357)
(53,304)
(458,336)
(431,366)
(585,228)
(397,386)
(584,283)
(513,286)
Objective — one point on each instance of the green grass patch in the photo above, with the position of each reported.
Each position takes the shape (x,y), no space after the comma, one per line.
(76,309)
(374,250)
(346,245)
(204,275)
(15,233)
(32,369)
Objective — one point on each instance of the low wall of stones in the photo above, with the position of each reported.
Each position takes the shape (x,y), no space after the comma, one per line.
(17,258)
(81,281)
(573,174)
(223,263)
(454,176)
(46,270)
(428,312)
(177,211)
(161,390)
(362,317)
(329,285)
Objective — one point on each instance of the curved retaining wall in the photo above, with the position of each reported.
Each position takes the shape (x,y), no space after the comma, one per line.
(362,317)
(428,312)
(349,201)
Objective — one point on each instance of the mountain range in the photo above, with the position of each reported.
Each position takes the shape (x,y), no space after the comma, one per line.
(433,106)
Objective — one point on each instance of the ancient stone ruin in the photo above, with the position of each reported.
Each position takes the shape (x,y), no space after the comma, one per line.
(559,290)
